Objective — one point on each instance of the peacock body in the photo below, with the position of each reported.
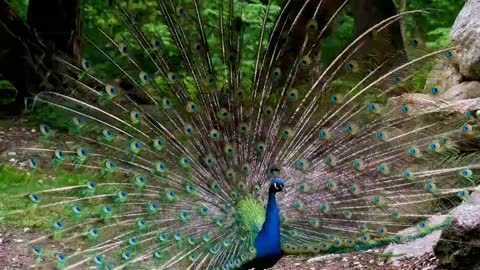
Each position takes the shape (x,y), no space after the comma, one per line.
(182,161)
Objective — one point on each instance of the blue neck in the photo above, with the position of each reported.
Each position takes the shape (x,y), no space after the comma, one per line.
(272,220)
(268,239)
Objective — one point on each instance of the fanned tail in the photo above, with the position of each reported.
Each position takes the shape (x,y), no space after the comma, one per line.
(171,164)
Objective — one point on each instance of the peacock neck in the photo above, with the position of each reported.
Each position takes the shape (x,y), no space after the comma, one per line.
(268,240)
(272,219)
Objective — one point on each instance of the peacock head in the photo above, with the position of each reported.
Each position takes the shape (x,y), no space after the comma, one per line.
(276,186)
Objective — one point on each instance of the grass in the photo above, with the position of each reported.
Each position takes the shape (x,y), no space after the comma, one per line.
(16,185)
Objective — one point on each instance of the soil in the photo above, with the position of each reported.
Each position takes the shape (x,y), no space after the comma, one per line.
(359,260)
(14,247)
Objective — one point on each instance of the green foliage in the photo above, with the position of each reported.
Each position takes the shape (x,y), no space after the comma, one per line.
(98,15)
(439,38)
(21,6)
(8,92)
(44,114)
(342,34)
(434,26)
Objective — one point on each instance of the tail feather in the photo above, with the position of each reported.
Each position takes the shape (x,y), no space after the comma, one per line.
(173,172)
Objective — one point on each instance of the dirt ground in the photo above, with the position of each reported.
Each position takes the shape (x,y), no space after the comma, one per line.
(360,260)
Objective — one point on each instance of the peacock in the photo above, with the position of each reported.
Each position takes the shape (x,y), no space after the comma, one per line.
(226,144)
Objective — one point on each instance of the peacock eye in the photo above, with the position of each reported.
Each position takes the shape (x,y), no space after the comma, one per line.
(32,163)
(466,128)
(135,116)
(212,82)
(414,43)
(98,259)
(292,94)
(82,152)
(305,62)
(180,11)
(35,198)
(85,64)
(156,43)
(189,130)
(172,76)
(126,255)
(276,74)
(312,25)
(396,80)
(261,148)
(60,155)
(184,162)
(122,48)
(324,134)
(58,225)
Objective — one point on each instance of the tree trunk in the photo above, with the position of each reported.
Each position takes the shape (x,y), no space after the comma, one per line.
(367,13)
(57,23)
(28,58)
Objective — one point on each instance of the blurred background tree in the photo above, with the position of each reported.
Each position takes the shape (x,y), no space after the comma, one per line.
(432,28)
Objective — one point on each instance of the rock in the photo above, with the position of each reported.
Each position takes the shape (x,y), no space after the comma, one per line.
(466,34)
(418,247)
(415,248)
(465,90)
(460,245)
(444,76)
(11,154)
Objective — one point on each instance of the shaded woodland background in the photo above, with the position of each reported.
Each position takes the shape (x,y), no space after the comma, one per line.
(33,33)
